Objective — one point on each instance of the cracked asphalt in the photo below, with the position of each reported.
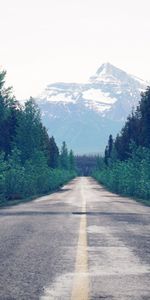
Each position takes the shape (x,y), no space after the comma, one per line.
(82,238)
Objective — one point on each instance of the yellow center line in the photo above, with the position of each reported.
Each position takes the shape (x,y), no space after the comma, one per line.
(81,281)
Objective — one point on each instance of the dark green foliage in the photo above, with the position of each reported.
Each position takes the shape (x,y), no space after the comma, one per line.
(9,111)
(128,172)
(144,116)
(136,129)
(131,177)
(29,132)
(109,150)
(14,176)
(85,164)
(2,79)
(130,132)
(64,158)
(3,168)
(71,160)
(34,178)
(30,163)
(54,154)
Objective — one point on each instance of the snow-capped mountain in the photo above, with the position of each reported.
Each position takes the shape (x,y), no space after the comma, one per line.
(85,114)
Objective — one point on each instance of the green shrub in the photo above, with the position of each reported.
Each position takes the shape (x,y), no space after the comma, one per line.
(34,178)
(131,177)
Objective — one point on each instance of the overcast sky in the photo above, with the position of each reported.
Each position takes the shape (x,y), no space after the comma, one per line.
(45,41)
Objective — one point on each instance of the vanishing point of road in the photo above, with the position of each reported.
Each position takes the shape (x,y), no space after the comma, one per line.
(80,243)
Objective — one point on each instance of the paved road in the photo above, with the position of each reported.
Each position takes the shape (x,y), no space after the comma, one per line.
(81,243)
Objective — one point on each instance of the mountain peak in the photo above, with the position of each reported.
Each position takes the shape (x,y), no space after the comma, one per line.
(104,68)
(108,73)
(82,112)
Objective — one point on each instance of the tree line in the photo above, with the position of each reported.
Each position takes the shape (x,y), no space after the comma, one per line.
(125,168)
(30,161)
(85,164)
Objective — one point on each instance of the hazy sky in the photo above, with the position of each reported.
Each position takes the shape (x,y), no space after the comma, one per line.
(44,41)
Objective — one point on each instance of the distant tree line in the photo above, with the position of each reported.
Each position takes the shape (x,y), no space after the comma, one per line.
(126,168)
(85,164)
(30,161)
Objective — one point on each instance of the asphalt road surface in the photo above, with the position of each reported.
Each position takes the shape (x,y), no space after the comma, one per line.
(80,243)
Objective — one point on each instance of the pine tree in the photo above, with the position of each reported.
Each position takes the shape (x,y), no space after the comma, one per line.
(109,150)
(71,161)
(29,131)
(110,145)
(106,155)
(54,154)
(144,109)
(64,160)
(2,79)
(9,111)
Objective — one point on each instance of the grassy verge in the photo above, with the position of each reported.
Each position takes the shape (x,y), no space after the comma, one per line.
(7,203)
(142,201)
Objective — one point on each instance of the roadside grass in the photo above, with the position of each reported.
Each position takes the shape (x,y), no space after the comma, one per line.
(145,202)
(7,203)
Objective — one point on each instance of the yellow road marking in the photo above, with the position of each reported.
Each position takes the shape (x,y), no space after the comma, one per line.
(81,282)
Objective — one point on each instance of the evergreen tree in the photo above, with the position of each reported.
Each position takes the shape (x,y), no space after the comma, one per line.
(2,80)
(9,111)
(29,131)
(106,155)
(64,160)
(71,161)
(109,150)
(110,145)
(54,154)
(144,109)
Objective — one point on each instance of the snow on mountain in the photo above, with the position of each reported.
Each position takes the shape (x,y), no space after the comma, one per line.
(99,96)
(98,100)
(61,92)
(85,114)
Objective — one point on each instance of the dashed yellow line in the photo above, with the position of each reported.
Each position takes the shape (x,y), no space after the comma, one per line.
(81,281)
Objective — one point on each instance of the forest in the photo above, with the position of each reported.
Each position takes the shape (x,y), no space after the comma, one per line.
(125,168)
(30,161)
